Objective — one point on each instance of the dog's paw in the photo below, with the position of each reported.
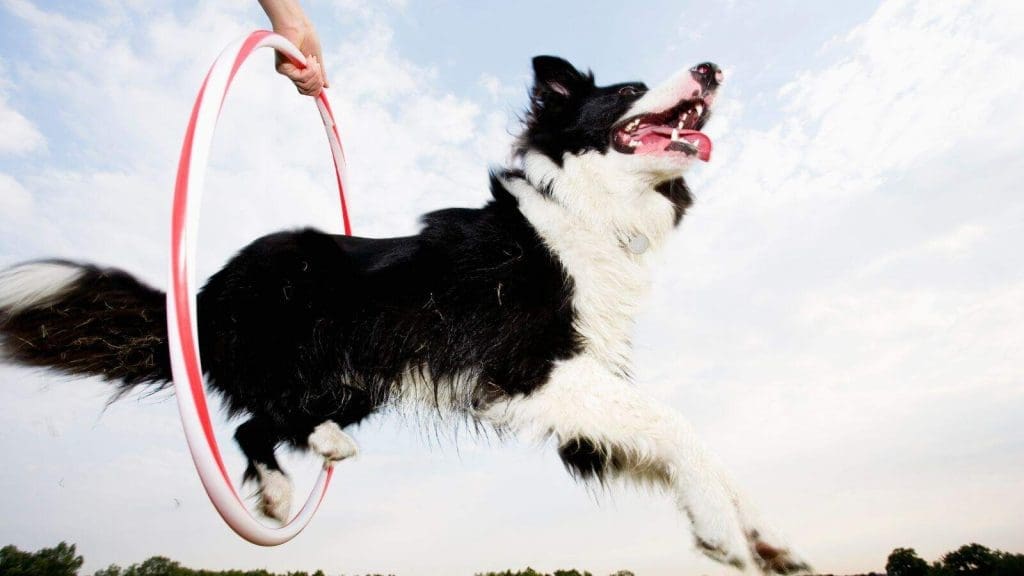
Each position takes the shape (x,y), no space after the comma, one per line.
(275,494)
(724,548)
(773,557)
(771,553)
(329,441)
(717,529)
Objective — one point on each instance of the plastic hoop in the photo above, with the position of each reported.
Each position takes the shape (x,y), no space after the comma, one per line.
(181,296)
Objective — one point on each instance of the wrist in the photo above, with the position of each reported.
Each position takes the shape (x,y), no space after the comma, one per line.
(285,16)
(296,29)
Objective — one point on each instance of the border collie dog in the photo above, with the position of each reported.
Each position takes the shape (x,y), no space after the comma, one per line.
(517,315)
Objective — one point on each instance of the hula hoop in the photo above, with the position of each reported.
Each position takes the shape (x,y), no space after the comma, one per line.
(181,296)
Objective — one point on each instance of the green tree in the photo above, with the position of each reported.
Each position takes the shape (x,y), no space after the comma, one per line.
(572,572)
(157,566)
(905,562)
(1008,564)
(61,560)
(112,570)
(970,560)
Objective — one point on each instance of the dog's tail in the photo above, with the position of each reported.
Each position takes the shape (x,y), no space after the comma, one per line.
(83,320)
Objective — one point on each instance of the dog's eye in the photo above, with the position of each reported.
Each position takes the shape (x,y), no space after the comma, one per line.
(629,91)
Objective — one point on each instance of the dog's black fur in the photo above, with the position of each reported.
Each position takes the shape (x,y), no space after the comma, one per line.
(302,327)
(328,327)
(569,112)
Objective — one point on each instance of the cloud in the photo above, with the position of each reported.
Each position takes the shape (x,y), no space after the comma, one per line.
(15,201)
(920,81)
(18,135)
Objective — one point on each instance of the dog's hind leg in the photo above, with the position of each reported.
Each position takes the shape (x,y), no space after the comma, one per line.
(605,428)
(329,441)
(257,439)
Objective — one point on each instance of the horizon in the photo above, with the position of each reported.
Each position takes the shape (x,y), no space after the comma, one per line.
(973,557)
(840,315)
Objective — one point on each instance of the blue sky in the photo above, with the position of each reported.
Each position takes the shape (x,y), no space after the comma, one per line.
(841,315)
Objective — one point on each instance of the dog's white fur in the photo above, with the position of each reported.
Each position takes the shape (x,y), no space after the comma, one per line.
(590,206)
(275,489)
(35,284)
(328,440)
(275,493)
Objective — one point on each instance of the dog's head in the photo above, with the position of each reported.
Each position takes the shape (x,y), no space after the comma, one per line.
(571,114)
(626,134)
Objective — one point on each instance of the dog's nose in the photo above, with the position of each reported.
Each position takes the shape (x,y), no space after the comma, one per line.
(708,75)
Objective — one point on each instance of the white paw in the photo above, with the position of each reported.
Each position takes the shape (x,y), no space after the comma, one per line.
(329,441)
(780,560)
(771,554)
(716,527)
(275,494)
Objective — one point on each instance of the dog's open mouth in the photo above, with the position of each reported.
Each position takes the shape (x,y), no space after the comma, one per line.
(672,132)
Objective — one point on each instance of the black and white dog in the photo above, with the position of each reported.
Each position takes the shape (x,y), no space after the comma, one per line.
(517,315)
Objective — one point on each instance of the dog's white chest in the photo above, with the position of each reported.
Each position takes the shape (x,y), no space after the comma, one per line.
(608,279)
(609,282)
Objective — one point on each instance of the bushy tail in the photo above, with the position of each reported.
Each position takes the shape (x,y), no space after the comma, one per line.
(84,320)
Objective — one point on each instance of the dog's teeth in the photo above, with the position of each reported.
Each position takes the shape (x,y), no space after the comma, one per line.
(675,134)
(634,143)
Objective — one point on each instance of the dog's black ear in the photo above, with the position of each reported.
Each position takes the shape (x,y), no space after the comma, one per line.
(553,75)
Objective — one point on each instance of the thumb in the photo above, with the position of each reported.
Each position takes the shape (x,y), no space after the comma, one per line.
(313,62)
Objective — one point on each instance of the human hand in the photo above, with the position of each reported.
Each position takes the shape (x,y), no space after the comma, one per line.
(311,79)
(288,20)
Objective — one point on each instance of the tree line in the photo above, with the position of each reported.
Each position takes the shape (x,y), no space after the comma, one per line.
(967,560)
(64,560)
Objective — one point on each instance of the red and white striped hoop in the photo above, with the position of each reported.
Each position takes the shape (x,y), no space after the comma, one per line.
(181,296)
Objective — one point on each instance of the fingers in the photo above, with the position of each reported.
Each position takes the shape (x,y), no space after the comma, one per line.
(319,59)
(309,80)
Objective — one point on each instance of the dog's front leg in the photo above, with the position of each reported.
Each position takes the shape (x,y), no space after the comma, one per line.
(605,427)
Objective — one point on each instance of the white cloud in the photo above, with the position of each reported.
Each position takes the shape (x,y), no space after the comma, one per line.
(15,201)
(63,32)
(921,81)
(500,91)
(18,135)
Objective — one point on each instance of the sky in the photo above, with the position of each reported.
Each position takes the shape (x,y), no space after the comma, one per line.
(840,316)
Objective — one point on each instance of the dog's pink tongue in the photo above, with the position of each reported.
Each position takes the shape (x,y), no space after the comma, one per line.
(700,140)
